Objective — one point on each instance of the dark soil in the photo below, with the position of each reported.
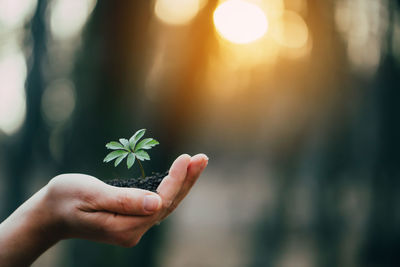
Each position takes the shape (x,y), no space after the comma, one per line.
(149,183)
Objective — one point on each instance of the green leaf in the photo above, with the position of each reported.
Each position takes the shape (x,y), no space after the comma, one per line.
(125,142)
(113,155)
(114,145)
(146,144)
(142,155)
(153,142)
(131,149)
(120,158)
(130,160)
(135,138)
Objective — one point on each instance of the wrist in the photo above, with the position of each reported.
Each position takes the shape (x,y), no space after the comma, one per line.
(28,232)
(50,224)
(39,219)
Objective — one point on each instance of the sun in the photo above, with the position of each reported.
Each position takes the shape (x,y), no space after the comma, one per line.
(240,22)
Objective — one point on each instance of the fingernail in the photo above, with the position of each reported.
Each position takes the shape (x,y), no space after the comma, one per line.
(151,203)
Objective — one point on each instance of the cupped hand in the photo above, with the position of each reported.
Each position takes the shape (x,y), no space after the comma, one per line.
(82,206)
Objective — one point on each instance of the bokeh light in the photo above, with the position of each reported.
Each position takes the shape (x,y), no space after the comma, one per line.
(272,8)
(58,101)
(13,73)
(177,12)
(67,17)
(240,22)
(14,13)
(290,30)
(362,26)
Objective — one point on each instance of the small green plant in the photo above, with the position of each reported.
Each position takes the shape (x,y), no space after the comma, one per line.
(131,149)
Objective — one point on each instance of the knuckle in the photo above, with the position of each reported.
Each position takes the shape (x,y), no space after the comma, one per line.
(54,184)
(167,204)
(60,181)
(123,202)
(55,180)
(88,199)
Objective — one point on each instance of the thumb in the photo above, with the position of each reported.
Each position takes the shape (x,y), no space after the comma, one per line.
(128,201)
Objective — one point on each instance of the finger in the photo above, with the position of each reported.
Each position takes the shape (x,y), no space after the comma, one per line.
(173,182)
(128,201)
(196,166)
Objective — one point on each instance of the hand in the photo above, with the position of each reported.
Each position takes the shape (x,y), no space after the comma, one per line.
(81,206)
(91,209)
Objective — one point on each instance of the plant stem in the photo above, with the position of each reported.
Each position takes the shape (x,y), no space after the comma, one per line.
(141,169)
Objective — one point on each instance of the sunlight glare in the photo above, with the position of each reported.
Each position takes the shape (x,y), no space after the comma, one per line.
(240,22)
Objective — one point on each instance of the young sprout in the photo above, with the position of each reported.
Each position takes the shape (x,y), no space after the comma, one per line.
(131,150)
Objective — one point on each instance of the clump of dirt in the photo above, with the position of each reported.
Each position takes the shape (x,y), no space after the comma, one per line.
(149,183)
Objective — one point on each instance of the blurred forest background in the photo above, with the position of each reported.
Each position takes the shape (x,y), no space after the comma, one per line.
(301,125)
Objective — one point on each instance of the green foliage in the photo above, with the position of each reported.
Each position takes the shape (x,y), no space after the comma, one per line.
(131,149)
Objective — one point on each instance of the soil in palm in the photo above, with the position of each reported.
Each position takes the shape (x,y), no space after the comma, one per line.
(149,183)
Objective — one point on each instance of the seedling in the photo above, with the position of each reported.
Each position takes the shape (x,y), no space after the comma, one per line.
(131,150)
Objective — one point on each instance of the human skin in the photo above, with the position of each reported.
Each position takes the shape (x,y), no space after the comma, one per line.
(81,206)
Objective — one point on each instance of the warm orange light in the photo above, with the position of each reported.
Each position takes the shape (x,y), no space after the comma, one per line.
(176,12)
(240,22)
(290,30)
